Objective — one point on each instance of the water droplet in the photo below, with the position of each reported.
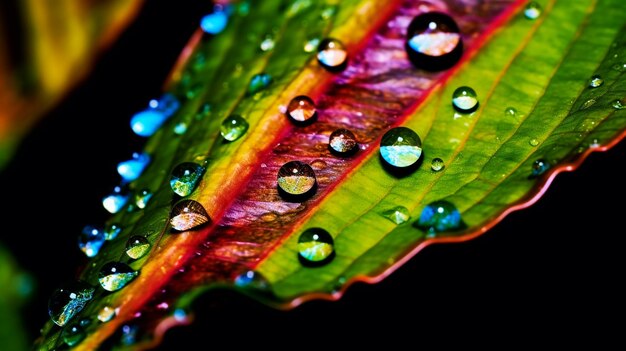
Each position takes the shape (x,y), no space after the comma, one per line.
(316,245)
(618,104)
(106,314)
(328,12)
(111,231)
(433,41)
(437,164)
(185,178)
(137,246)
(464,99)
(332,54)
(267,44)
(301,109)
(532,10)
(233,127)
(588,104)
(115,275)
(533,142)
(401,147)
(311,45)
(214,23)
(297,7)
(397,215)
(147,122)
(620,67)
(296,178)
(142,198)
(539,167)
(318,165)
(132,169)
(342,142)
(510,111)
(258,82)
(91,240)
(84,322)
(116,200)
(440,216)
(199,60)
(188,214)
(68,300)
(129,334)
(252,279)
(269,217)
(595,81)
(73,335)
(180,128)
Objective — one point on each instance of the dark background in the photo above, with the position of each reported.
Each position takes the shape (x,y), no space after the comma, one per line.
(552,273)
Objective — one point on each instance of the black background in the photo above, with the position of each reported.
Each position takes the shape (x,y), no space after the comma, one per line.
(553,272)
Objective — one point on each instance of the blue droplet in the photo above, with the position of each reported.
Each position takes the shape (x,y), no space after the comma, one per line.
(91,240)
(539,167)
(180,128)
(116,200)
(214,23)
(115,275)
(111,231)
(259,82)
(251,279)
(132,169)
(73,335)
(68,300)
(147,122)
(129,334)
(440,216)
(142,198)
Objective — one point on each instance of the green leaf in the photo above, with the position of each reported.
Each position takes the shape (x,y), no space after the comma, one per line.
(15,287)
(539,68)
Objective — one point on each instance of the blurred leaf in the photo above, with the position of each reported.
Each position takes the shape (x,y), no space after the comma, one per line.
(15,288)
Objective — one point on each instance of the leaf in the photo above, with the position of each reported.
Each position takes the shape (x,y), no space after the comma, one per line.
(540,67)
(15,287)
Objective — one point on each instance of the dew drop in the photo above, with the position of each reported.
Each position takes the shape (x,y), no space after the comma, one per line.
(397,215)
(267,44)
(252,279)
(188,214)
(434,42)
(439,216)
(533,142)
(596,81)
(342,142)
(73,335)
(316,245)
(132,169)
(401,147)
(84,322)
(147,122)
(618,104)
(301,109)
(233,127)
(115,275)
(116,200)
(185,178)
(510,111)
(91,240)
(142,198)
(464,99)
(214,23)
(129,334)
(532,10)
(296,178)
(106,314)
(137,246)
(111,231)
(587,104)
(332,54)
(269,217)
(620,67)
(539,167)
(68,300)
(298,6)
(258,82)
(328,12)
(437,164)
(318,165)
(180,128)
(311,45)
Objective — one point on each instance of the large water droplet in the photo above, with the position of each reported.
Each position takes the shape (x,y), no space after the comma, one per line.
(464,99)
(188,214)
(214,23)
(137,246)
(252,279)
(618,104)
(316,245)
(116,200)
(142,198)
(267,44)
(539,167)
(301,109)
(185,178)
(332,54)
(433,41)
(233,127)
(296,178)
(439,216)
(147,122)
(437,164)
(73,335)
(111,231)
(106,314)
(91,240)
(68,300)
(532,10)
(596,81)
(397,215)
(115,275)
(259,82)
(342,142)
(401,147)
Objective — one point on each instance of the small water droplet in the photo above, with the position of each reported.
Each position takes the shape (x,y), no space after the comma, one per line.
(620,67)
(296,178)
(437,164)
(147,122)
(214,23)
(198,62)
(91,240)
(311,45)
(132,169)
(267,44)
(129,334)
(332,54)
(116,200)
(439,216)
(233,127)
(533,142)
(137,246)
(401,147)
(106,314)
(434,42)
(297,7)
(328,12)
(84,322)
(180,128)
(464,99)
(185,178)
(397,215)
(618,104)
(68,300)
(301,109)
(318,165)
(142,198)
(595,81)
(115,275)
(269,217)
(510,111)
(258,82)
(342,142)
(73,335)
(252,279)
(539,167)
(587,104)
(316,245)
(532,10)
(111,231)
(188,214)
